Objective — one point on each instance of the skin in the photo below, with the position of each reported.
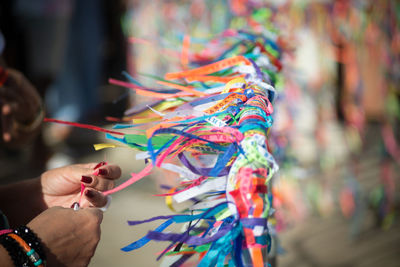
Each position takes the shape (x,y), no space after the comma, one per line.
(19,102)
(73,235)
(70,237)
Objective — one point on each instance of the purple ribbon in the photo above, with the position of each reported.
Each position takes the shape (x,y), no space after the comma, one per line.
(182,236)
(151,219)
(200,171)
(251,222)
(186,238)
(258,71)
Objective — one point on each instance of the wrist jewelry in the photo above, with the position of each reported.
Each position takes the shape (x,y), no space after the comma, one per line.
(32,255)
(32,240)
(15,251)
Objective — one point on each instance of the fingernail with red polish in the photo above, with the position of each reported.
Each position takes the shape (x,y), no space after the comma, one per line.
(103,171)
(89,193)
(86,179)
(102,163)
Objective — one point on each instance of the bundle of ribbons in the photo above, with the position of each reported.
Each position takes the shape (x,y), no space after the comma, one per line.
(214,120)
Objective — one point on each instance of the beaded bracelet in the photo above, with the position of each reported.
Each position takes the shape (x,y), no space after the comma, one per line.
(15,251)
(32,240)
(30,252)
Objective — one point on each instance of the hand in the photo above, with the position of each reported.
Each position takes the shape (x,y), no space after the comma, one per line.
(62,186)
(21,108)
(70,237)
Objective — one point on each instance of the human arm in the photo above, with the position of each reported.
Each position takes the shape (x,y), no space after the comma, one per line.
(68,237)
(5,259)
(22,201)
(58,187)
(21,108)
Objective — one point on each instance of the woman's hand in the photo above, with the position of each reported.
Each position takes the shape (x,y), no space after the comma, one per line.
(62,186)
(21,108)
(70,237)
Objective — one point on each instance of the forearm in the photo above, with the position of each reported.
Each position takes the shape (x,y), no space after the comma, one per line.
(22,201)
(5,259)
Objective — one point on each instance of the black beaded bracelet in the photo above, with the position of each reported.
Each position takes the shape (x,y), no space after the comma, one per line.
(31,239)
(15,251)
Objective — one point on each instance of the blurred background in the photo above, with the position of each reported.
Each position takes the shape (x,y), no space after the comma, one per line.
(336,133)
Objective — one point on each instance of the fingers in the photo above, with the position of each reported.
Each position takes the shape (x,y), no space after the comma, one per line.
(108,171)
(97,182)
(102,177)
(101,169)
(96,175)
(6,109)
(96,198)
(7,122)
